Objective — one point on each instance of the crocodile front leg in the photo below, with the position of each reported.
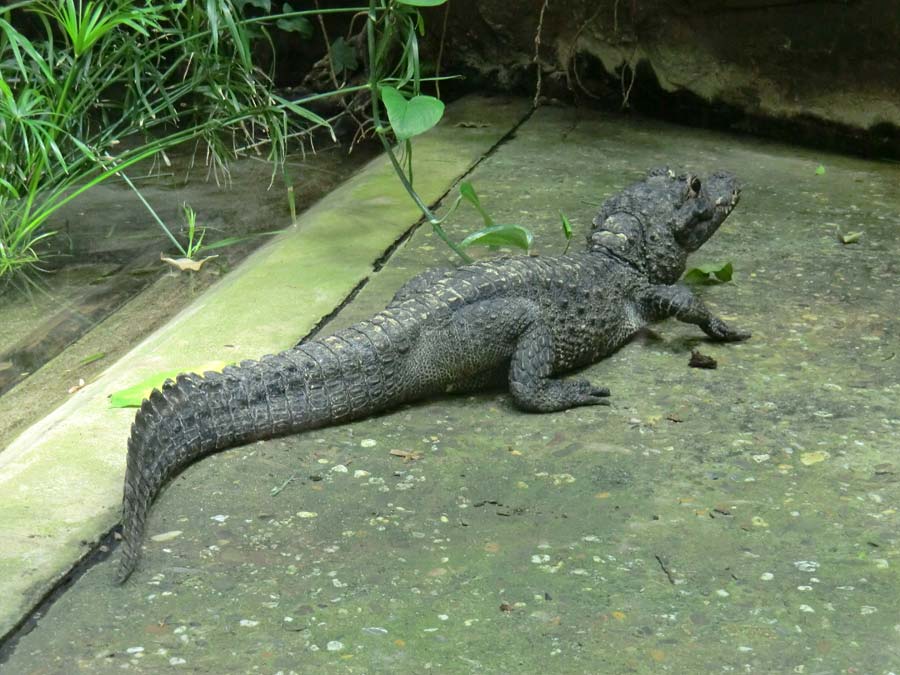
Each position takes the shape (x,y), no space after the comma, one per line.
(680,302)
(530,381)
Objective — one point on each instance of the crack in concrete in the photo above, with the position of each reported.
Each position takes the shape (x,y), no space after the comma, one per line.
(665,569)
(388,253)
(99,552)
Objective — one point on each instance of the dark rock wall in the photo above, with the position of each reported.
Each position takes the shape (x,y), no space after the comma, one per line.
(816,70)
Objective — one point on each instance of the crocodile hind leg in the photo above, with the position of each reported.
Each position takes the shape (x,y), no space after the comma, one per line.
(530,381)
(420,283)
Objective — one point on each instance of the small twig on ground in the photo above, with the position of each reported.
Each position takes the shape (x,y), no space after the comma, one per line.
(281,487)
(406,455)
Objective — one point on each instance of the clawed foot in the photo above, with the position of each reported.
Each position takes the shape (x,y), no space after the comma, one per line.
(720,331)
(588,394)
(556,395)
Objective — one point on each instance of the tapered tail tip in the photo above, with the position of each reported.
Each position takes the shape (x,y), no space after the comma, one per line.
(127,564)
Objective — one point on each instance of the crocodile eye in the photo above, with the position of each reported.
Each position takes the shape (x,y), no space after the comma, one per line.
(695,185)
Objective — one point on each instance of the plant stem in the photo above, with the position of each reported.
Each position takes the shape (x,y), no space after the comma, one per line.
(433,220)
(154,214)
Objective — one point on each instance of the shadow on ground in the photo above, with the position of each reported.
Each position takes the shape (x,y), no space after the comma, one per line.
(739,519)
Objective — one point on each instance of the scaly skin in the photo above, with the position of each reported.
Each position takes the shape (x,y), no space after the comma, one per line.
(522,320)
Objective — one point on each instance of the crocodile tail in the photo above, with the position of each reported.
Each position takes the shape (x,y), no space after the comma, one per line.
(318,383)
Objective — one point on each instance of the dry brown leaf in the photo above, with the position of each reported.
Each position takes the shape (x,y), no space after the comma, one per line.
(186,264)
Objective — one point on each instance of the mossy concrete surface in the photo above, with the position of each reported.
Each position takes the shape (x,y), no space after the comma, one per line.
(743,519)
(61,480)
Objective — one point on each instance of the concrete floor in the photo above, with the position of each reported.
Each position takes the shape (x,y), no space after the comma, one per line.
(742,519)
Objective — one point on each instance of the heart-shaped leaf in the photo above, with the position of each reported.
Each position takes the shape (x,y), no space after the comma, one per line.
(701,273)
(343,56)
(413,117)
(294,24)
(500,235)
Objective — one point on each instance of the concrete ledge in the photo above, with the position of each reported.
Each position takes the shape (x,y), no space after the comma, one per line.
(61,480)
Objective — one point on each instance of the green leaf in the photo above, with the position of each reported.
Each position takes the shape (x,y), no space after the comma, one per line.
(500,235)
(566,225)
(15,40)
(133,396)
(239,37)
(343,56)
(820,170)
(305,113)
(413,117)
(92,358)
(467,192)
(421,3)
(701,274)
(294,24)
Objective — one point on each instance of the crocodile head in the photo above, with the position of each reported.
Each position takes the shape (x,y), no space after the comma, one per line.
(654,224)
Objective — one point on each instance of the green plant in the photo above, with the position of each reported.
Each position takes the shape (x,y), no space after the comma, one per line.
(710,273)
(193,246)
(194,237)
(567,230)
(150,76)
(102,76)
(398,86)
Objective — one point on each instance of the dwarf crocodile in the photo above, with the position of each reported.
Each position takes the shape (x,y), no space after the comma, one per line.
(519,320)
